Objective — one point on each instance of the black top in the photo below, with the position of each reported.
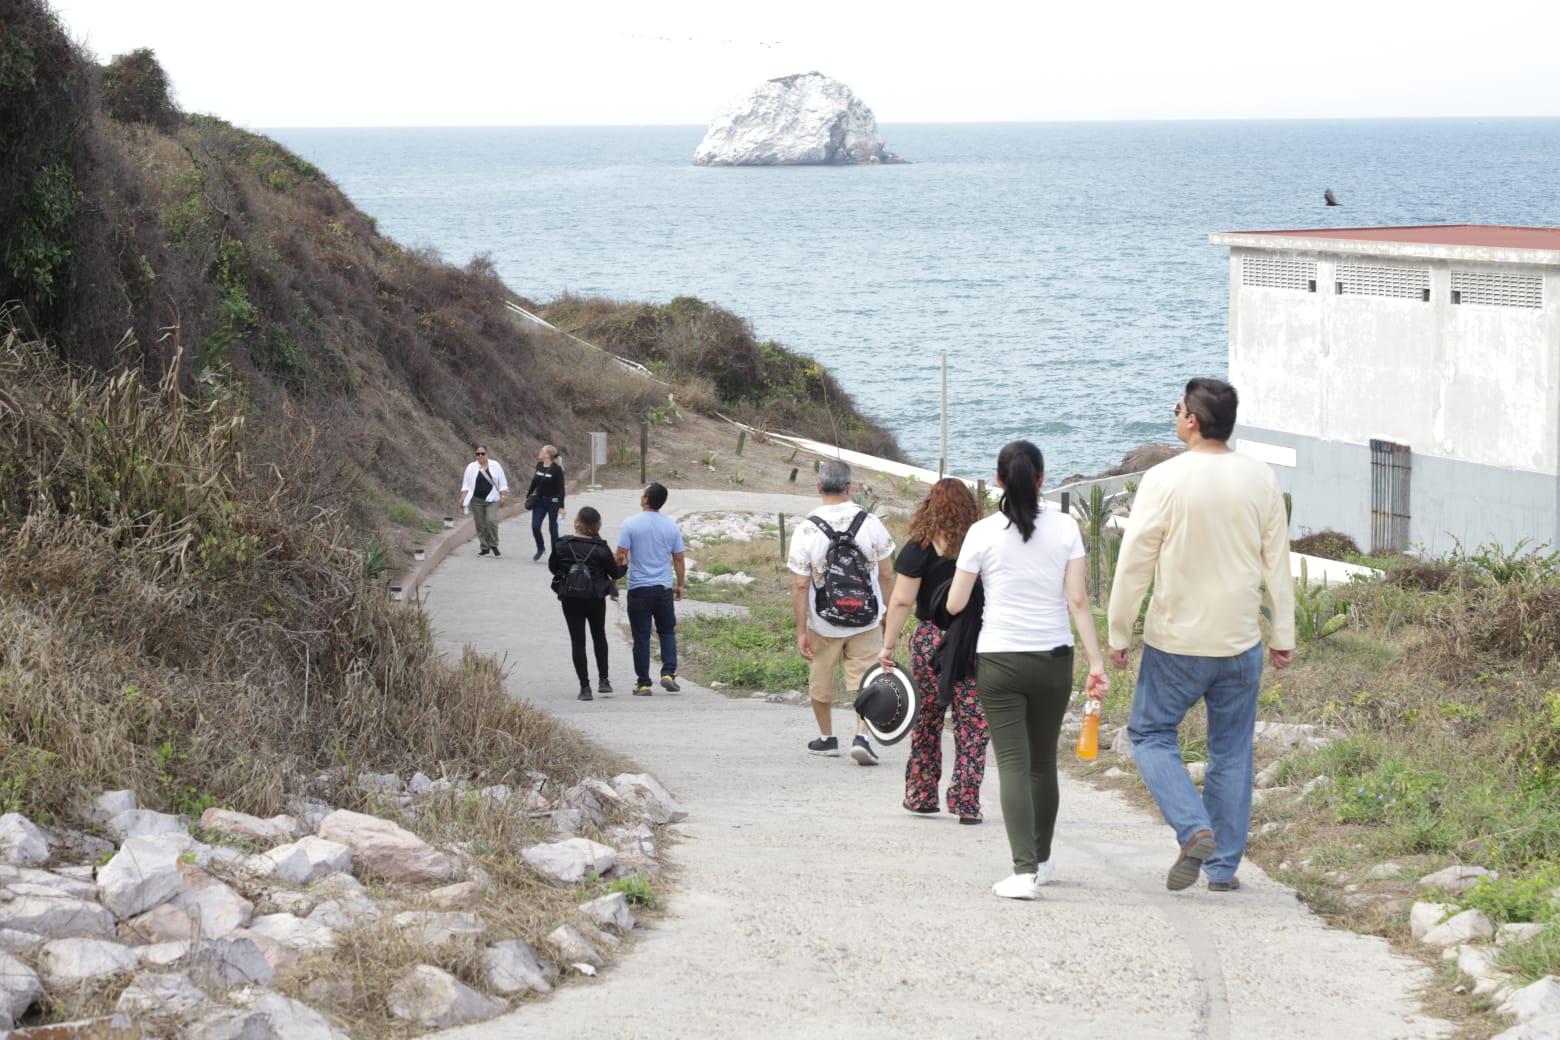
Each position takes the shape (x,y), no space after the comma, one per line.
(483,487)
(594,553)
(923,561)
(547,482)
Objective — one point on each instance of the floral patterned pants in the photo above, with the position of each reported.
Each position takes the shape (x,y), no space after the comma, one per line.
(923,771)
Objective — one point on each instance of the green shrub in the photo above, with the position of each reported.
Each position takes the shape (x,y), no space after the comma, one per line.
(1525,898)
(136,90)
(1532,960)
(1396,788)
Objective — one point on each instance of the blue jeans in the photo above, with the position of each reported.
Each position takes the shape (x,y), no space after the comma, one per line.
(1170,685)
(647,604)
(549,509)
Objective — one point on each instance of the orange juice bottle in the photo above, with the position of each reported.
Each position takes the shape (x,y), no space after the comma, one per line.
(1089,732)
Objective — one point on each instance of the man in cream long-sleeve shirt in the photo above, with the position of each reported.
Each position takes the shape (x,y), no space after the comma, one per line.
(1210,531)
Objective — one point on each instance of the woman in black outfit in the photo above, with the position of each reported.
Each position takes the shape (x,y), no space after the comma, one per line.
(585,573)
(545,497)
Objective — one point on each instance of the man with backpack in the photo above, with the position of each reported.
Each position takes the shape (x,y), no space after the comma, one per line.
(842,572)
(651,547)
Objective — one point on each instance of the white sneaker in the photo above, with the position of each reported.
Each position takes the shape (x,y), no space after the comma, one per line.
(1019,886)
(1046,871)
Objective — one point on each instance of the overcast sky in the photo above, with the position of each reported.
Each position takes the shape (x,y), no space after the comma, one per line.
(287,63)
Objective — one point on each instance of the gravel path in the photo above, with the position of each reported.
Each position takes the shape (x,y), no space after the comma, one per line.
(807,900)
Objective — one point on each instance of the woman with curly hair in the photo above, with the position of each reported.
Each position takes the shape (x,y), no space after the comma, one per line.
(927,561)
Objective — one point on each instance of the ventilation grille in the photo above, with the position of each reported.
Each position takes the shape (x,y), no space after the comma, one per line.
(1493,289)
(1405,283)
(1278,272)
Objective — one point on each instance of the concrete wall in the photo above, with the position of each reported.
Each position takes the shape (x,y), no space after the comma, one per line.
(1462,382)
(1450,501)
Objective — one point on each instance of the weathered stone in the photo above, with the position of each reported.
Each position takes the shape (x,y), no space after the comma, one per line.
(459,896)
(110,804)
(1455,880)
(611,910)
(570,860)
(21,944)
(1546,1027)
(68,963)
(296,932)
(598,938)
(1384,872)
(644,793)
(143,873)
(21,842)
(107,1027)
(432,927)
(161,924)
(1476,962)
(498,794)
(1287,734)
(280,959)
(214,907)
(421,786)
(1464,927)
(59,917)
(289,901)
(1314,784)
(25,881)
(1538,1000)
(1198,771)
(808,118)
(144,823)
(511,967)
(1425,916)
(387,783)
(583,800)
(1269,775)
(19,990)
(84,848)
(1505,935)
(383,849)
(161,994)
(235,960)
(306,860)
(163,955)
(263,834)
(290,1018)
(571,947)
(1113,773)
(233,1024)
(430,997)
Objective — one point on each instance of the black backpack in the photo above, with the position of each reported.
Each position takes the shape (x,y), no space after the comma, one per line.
(579,582)
(846,597)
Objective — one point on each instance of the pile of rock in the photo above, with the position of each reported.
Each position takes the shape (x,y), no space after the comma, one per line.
(192,934)
(1471,939)
(701,529)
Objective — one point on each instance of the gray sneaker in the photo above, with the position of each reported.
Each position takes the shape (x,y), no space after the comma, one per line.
(861,751)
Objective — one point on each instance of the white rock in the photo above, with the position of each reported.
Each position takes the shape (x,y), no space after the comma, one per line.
(581,798)
(342,914)
(570,860)
(1546,1027)
(21,944)
(1505,935)
(21,842)
(498,794)
(1455,880)
(144,823)
(292,1019)
(1263,794)
(1422,917)
(1538,1000)
(645,794)
(1198,771)
(383,849)
(68,963)
(231,961)
(612,910)
(19,990)
(568,821)
(1113,772)
(1288,734)
(306,860)
(430,997)
(143,873)
(387,783)
(1384,872)
(432,927)
(161,994)
(214,906)
(570,946)
(1464,927)
(1269,775)
(110,804)
(794,120)
(295,932)
(232,1024)
(1315,784)
(252,829)
(25,881)
(511,967)
(58,917)
(163,955)
(280,959)
(458,896)
(1476,962)
(161,924)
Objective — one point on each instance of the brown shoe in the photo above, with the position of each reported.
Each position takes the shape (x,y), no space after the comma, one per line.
(1232,885)
(1183,874)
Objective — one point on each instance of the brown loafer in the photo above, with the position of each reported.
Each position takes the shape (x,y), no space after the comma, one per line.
(1232,885)
(1183,873)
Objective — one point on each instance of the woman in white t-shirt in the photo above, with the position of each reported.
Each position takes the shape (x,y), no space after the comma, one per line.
(1031,567)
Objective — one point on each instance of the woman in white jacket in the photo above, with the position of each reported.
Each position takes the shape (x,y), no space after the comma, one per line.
(484,488)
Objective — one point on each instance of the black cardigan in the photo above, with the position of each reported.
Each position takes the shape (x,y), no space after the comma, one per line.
(955,657)
(547,483)
(602,563)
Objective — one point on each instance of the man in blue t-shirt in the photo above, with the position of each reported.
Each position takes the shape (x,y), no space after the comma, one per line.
(651,546)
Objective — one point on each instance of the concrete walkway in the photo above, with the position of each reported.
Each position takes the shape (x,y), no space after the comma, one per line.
(807,901)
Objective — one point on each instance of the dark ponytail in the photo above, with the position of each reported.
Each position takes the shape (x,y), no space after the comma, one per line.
(1020,465)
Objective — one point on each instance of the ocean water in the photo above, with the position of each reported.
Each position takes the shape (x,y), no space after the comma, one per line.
(1064,268)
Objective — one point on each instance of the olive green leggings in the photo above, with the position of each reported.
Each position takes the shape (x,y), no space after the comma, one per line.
(1025,696)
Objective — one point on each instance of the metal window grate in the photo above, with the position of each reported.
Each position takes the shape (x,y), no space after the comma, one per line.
(1497,289)
(1278,272)
(1391,465)
(1405,283)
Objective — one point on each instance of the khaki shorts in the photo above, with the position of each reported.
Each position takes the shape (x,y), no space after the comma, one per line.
(857,653)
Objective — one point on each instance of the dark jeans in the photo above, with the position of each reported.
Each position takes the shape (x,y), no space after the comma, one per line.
(576,613)
(1025,696)
(647,604)
(549,509)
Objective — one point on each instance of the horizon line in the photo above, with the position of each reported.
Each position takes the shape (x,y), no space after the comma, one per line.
(917,122)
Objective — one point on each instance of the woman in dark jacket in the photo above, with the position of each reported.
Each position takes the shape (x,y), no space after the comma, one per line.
(585,573)
(544,498)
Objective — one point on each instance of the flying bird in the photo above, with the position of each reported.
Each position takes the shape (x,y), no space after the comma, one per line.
(1329,198)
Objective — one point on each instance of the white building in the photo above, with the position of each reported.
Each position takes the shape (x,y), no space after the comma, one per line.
(1404,382)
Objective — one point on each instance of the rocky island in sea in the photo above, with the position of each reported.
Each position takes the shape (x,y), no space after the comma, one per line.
(806,119)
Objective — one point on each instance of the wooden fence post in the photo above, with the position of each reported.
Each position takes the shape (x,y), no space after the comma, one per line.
(1066,501)
(741,441)
(644,453)
(980,495)
(782,528)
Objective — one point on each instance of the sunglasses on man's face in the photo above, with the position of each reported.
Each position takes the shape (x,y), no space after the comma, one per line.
(480,454)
